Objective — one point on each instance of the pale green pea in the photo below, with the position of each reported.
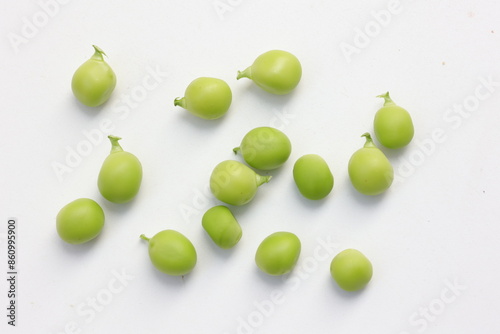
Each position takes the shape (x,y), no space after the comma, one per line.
(234,183)
(80,221)
(221,226)
(207,98)
(94,81)
(171,252)
(278,253)
(313,177)
(120,176)
(392,124)
(370,171)
(265,148)
(277,72)
(351,270)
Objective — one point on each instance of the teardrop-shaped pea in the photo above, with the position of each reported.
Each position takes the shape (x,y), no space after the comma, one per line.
(393,125)
(94,81)
(234,183)
(370,171)
(120,175)
(277,72)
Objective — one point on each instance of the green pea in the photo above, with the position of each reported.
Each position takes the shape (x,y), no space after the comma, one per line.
(313,177)
(221,226)
(393,125)
(234,183)
(94,81)
(265,148)
(207,98)
(171,252)
(278,253)
(121,174)
(370,171)
(277,72)
(80,221)
(351,270)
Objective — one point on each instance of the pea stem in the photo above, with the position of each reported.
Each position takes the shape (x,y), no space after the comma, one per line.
(143,237)
(247,73)
(181,102)
(98,53)
(262,179)
(115,146)
(369,140)
(387,99)
(236,150)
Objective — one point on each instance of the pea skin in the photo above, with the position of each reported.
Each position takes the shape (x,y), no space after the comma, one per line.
(265,148)
(277,72)
(120,176)
(207,98)
(370,171)
(94,81)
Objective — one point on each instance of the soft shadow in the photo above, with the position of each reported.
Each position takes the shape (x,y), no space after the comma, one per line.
(177,281)
(270,279)
(87,111)
(346,295)
(309,203)
(393,154)
(116,208)
(207,125)
(275,173)
(76,250)
(277,101)
(366,200)
(239,211)
(220,252)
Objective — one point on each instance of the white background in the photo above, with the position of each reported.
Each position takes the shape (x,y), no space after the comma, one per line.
(437,225)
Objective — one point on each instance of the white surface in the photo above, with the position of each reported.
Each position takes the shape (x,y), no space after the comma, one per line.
(437,224)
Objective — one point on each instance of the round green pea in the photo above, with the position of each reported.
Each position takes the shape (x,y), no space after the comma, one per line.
(278,253)
(207,98)
(277,72)
(120,176)
(80,221)
(265,148)
(370,171)
(234,183)
(221,226)
(351,270)
(171,252)
(392,124)
(313,177)
(94,81)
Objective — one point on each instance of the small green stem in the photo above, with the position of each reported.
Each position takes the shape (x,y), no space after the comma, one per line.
(262,179)
(369,140)
(387,99)
(115,146)
(143,237)
(247,73)
(181,102)
(236,150)
(98,53)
